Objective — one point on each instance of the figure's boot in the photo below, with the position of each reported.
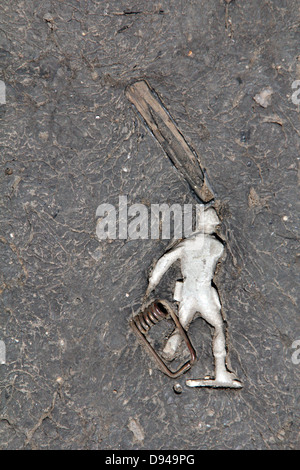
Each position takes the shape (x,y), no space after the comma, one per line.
(171,346)
(223,378)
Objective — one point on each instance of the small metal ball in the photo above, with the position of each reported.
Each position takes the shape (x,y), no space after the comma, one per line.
(177,388)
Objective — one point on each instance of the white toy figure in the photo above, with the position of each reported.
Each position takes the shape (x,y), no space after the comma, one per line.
(199,255)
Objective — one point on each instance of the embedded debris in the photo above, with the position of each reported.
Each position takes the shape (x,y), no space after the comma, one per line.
(164,129)
(264,97)
(136,429)
(253,198)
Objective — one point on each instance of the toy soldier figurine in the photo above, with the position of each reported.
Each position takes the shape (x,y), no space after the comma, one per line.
(199,255)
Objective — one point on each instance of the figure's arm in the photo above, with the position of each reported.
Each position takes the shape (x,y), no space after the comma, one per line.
(162,266)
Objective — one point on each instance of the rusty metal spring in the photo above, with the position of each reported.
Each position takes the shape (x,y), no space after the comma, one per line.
(149,317)
(154,313)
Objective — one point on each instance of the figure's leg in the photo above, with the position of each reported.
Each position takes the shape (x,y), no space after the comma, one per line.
(212,315)
(219,349)
(186,314)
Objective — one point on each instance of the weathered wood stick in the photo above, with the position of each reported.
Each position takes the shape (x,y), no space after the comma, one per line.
(162,126)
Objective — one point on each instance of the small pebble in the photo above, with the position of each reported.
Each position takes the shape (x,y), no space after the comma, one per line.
(177,388)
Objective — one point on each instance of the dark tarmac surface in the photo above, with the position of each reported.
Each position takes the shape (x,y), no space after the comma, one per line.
(75,376)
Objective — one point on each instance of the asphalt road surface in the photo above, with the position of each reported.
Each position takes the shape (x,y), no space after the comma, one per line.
(73,375)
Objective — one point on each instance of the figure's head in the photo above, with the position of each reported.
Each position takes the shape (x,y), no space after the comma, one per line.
(207,221)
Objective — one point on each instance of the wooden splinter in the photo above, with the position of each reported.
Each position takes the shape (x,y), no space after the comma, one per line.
(162,126)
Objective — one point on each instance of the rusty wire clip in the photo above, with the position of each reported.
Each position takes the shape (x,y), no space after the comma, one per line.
(141,324)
